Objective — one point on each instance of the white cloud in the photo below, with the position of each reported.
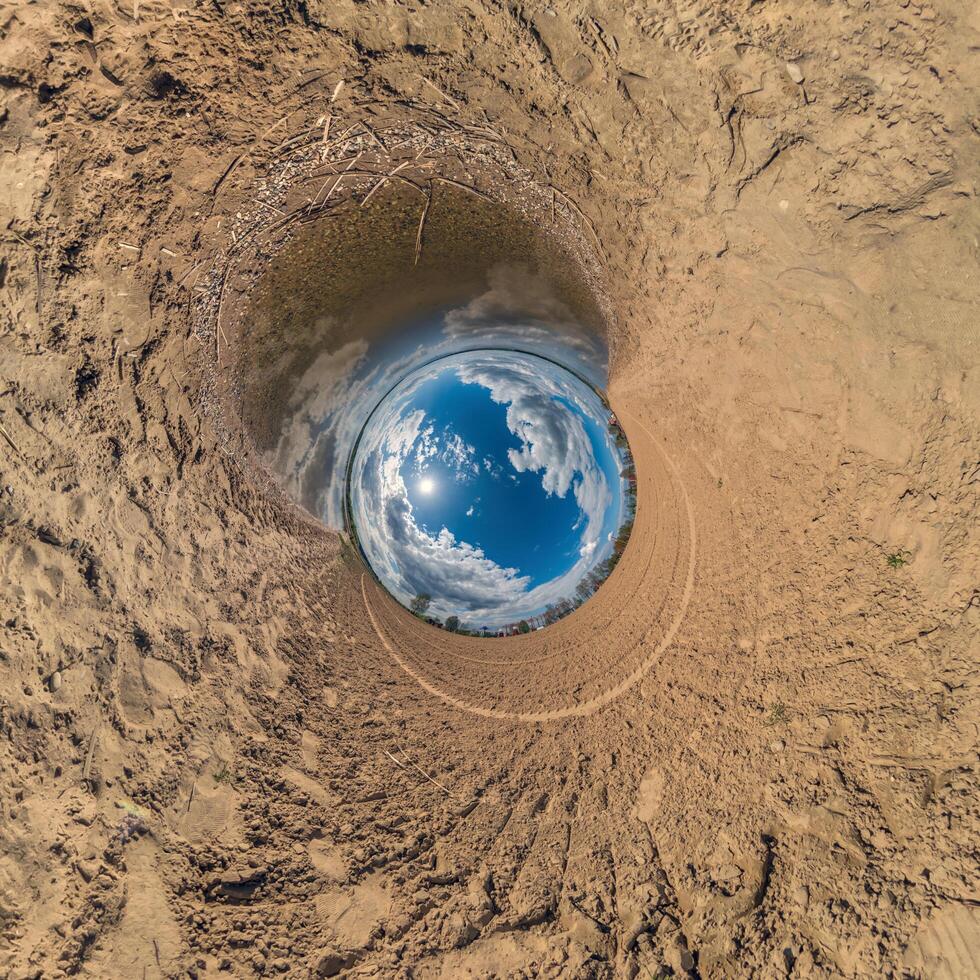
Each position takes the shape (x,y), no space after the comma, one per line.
(519,311)
(407,558)
(553,439)
(462,579)
(333,399)
(459,456)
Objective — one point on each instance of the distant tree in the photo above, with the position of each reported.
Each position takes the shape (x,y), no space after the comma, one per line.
(523,626)
(452,623)
(564,607)
(421,603)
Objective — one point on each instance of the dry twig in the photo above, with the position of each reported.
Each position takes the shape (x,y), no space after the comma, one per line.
(271,207)
(418,237)
(87,768)
(218,332)
(439,91)
(233,166)
(465,187)
(10,441)
(435,782)
(569,203)
(374,136)
(384,180)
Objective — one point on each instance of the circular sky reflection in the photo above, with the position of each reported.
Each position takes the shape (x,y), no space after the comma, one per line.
(470,454)
(490,491)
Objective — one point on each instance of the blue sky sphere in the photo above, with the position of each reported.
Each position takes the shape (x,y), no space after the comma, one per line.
(468,452)
(490,481)
(342,386)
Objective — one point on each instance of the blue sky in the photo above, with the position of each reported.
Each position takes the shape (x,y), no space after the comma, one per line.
(488,480)
(331,402)
(468,485)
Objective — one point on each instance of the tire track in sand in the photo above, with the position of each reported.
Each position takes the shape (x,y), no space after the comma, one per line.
(607,697)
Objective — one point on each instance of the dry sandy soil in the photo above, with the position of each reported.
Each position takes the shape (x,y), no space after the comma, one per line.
(753,754)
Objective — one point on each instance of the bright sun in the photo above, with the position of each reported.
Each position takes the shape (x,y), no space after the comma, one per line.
(427,485)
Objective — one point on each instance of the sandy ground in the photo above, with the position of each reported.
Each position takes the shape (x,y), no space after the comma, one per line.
(754,753)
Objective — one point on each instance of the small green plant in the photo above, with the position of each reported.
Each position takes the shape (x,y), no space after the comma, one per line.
(777,714)
(223,775)
(897,559)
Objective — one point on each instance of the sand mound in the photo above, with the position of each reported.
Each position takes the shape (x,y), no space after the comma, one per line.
(754,752)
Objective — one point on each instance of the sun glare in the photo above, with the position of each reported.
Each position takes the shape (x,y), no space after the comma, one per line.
(427,485)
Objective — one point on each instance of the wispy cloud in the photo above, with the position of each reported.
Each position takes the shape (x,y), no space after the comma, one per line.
(460,457)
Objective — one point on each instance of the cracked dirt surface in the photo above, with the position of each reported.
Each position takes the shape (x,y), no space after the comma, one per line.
(754,753)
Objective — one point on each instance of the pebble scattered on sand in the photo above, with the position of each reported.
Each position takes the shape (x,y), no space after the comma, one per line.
(794,72)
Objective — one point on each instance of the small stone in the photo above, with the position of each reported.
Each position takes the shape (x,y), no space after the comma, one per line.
(54,681)
(331,963)
(777,746)
(679,958)
(480,917)
(794,72)
(87,869)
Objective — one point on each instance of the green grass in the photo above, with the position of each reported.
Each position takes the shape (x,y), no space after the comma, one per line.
(897,559)
(777,714)
(223,775)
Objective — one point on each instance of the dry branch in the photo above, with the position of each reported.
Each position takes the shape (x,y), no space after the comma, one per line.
(233,166)
(465,187)
(435,782)
(440,92)
(10,441)
(418,237)
(384,180)
(569,203)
